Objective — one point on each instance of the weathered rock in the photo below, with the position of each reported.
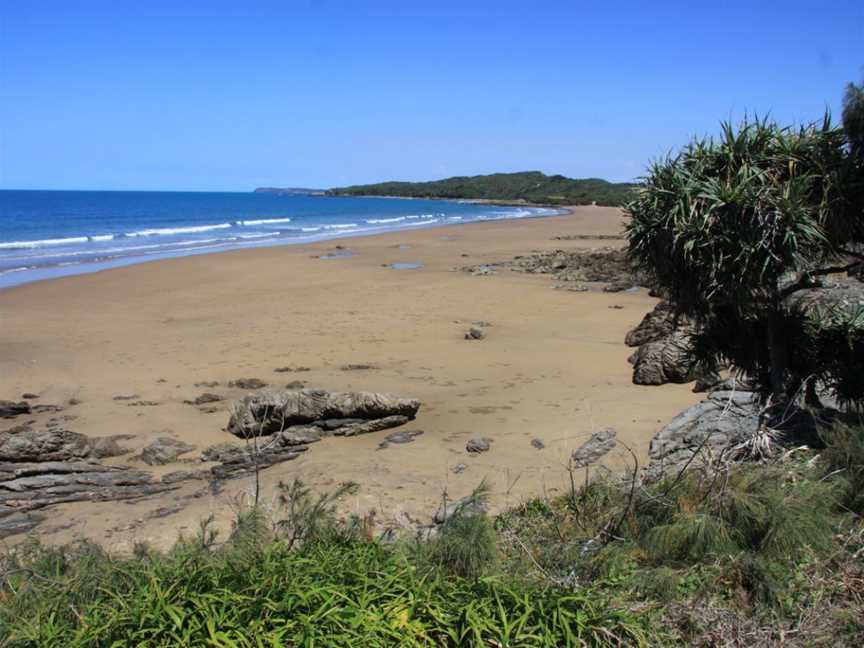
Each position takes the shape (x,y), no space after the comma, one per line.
(362,366)
(595,448)
(708,381)
(293,369)
(10,409)
(478,445)
(221,452)
(465,506)
(126,397)
(724,418)
(248,461)
(203,399)
(269,411)
(481,270)
(475,333)
(27,486)
(14,522)
(29,396)
(45,408)
(657,324)
(594,265)
(247,383)
(375,425)
(537,444)
(103,447)
(43,445)
(164,450)
(459,468)
(300,435)
(185,475)
(669,359)
(405,436)
(334,424)
(295,385)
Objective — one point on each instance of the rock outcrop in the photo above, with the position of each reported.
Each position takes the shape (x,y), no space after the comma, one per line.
(54,444)
(272,411)
(164,450)
(11,409)
(724,419)
(27,486)
(665,353)
(667,360)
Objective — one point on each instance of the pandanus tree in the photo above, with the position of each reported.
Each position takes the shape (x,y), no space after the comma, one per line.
(737,230)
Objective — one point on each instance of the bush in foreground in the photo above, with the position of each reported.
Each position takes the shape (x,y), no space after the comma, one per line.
(724,554)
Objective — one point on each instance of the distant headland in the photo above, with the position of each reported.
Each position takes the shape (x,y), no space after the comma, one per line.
(291,191)
(526,186)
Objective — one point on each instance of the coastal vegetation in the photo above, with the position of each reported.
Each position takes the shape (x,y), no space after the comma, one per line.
(722,553)
(736,230)
(528,186)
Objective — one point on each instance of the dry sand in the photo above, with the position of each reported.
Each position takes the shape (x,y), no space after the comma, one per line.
(553,367)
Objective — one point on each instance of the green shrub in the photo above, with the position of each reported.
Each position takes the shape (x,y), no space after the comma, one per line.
(347,593)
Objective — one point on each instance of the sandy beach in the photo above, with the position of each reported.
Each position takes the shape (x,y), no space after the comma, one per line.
(553,366)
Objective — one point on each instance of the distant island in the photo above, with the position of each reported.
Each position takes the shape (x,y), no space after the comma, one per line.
(291,191)
(527,186)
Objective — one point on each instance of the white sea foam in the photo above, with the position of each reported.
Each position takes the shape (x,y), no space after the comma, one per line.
(257,236)
(167,231)
(423,222)
(377,221)
(100,237)
(340,226)
(23,245)
(264,221)
(310,229)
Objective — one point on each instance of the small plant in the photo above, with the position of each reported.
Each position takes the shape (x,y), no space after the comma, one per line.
(466,541)
(309,517)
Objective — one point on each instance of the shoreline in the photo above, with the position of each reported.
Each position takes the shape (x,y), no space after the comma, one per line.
(553,366)
(50,272)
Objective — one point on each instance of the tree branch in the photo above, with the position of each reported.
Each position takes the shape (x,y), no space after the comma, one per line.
(806,279)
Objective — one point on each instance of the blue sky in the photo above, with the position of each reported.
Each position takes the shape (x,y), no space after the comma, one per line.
(233,95)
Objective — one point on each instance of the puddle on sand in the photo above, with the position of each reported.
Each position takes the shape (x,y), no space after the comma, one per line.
(406,266)
(346,254)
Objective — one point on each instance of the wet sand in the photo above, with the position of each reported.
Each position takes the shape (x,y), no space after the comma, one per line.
(553,366)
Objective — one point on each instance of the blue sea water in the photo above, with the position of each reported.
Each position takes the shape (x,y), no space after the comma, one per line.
(46,234)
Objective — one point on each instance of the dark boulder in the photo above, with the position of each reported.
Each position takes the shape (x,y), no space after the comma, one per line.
(10,409)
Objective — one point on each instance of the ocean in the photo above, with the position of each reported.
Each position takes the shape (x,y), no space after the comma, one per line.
(46,234)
